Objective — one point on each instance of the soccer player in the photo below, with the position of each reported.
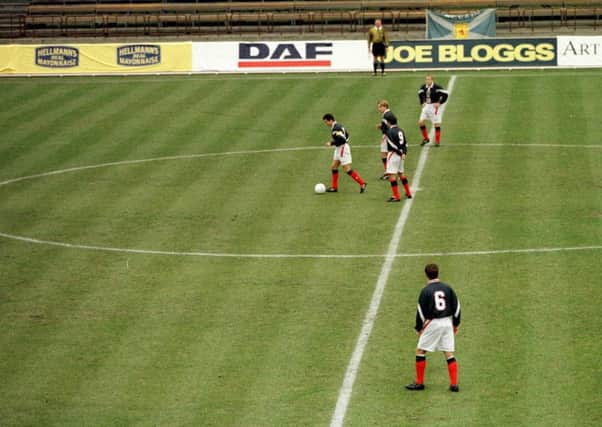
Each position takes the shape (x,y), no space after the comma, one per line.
(342,154)
(388,119)
(397,149)
(431,96)
(378,40)
(437,321)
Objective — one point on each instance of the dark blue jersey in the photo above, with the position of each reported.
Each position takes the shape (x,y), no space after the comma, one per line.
(339,134)
(387,121)
(437,300)
(396,140)
(432,94)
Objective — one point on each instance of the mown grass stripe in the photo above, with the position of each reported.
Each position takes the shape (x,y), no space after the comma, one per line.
(139,337)
(29,119)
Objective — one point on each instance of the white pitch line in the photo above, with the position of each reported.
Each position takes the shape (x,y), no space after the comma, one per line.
(266,151)
(279,256)
(504,251)
(519,145)
(155,159)
(368,323)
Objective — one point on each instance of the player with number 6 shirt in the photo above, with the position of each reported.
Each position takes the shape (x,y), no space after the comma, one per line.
(437,322)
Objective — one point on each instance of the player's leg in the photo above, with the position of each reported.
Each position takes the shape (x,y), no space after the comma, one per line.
(392,171)
(420,368)
(383,159)
(429,340)
(383,156)
(394,188)
(374,64)
(406,185)
(448,346)
(437,119)
(355,176)
(346,160)
(420,365)
(422,124)
(334,176)
(437,133)
(452,369)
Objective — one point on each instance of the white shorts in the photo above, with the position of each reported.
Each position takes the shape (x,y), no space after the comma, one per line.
(394,164)
(383,144)
(437,335)
(342,153)
(429,112)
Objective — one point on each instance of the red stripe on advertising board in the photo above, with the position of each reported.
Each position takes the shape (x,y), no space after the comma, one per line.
(306,63)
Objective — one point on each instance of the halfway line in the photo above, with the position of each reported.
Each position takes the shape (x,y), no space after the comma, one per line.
(368,323)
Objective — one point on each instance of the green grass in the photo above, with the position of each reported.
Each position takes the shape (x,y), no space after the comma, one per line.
(124,336)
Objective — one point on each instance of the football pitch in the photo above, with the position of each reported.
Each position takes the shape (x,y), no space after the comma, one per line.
(165,261)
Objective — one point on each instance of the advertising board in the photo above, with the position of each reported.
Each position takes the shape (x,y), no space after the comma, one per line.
(482,53)
(106,58)
(580,51)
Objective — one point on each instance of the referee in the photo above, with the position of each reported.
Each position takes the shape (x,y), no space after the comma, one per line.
(378,40)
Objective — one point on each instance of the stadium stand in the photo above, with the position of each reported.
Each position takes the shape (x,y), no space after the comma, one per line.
(113,18)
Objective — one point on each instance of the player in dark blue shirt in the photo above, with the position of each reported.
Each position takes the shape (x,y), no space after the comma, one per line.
(431,96)
(387,119)
(342,154)
(397,149)
(437,322)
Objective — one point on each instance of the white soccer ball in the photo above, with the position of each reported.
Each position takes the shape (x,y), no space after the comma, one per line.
(320,188)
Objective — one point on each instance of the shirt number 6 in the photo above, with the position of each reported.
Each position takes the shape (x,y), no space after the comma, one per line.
(440,303)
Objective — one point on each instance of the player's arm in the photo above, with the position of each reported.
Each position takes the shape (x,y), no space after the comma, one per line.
(443,95)
(421,96)
(455,305)
(384,124)
(419,320)
(404,149)
(338,137)
(393,144)
(423,311)
(403,146)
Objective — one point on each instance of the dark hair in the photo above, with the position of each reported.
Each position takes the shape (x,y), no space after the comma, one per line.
(432,271)
(328,117)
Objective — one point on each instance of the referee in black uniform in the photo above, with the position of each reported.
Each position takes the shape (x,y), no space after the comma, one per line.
(378,40)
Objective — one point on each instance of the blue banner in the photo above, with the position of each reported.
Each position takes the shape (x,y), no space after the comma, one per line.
(540,52)
(473,25)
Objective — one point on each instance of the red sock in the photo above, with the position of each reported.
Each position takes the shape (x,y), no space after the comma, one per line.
(425,134)
(395,189)
(420,368)
(406,186)
(356,177)
(452,369)
(437,135)
(335,178)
